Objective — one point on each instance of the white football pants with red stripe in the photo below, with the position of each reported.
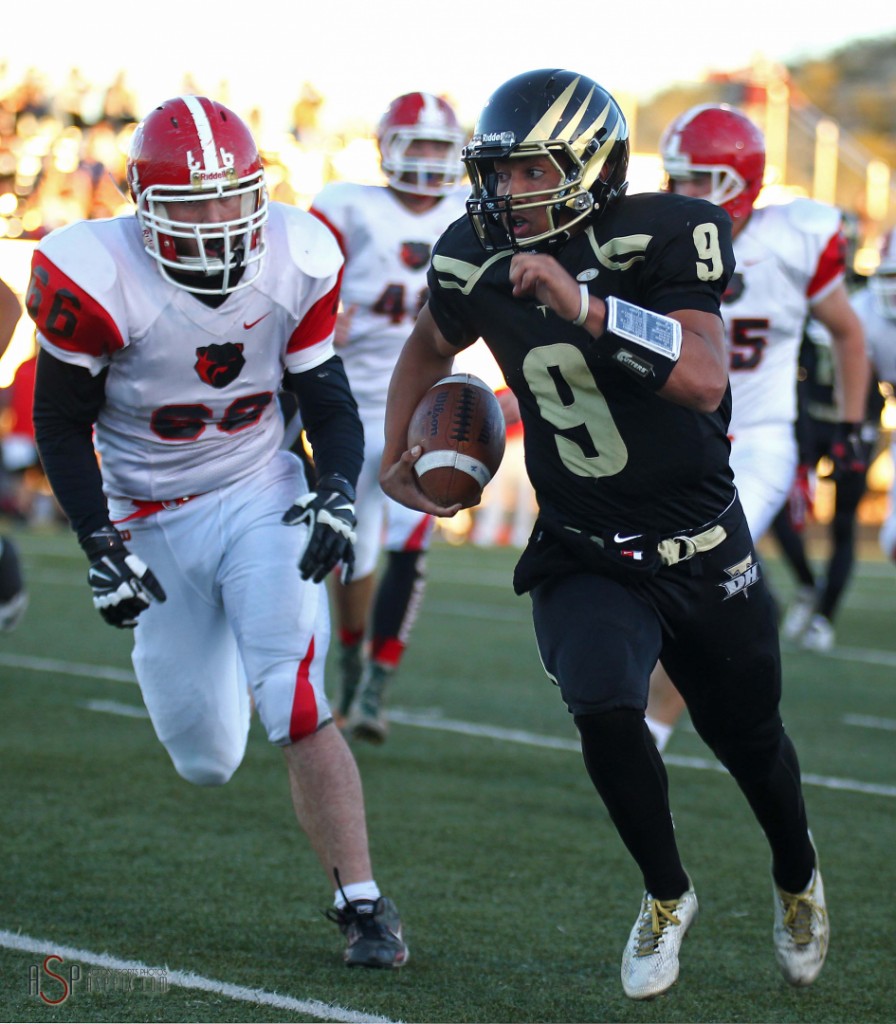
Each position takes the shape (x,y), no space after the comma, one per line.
(238,618)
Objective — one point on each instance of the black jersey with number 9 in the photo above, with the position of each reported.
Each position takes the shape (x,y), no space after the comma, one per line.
(602,451)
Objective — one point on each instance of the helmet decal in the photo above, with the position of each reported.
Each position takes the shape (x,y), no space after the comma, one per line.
(413,118)
(191,150)
(718,140)
(572,122)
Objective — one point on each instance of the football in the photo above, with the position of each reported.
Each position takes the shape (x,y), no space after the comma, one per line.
(460,427)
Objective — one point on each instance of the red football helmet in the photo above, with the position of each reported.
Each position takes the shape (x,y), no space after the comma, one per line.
(718,140)
(883,282)
(192,150)
(413,117)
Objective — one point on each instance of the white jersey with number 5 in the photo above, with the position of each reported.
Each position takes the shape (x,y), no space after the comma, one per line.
(788,258)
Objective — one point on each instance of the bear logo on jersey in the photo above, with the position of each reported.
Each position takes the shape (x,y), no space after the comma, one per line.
(219,365)
(415,255)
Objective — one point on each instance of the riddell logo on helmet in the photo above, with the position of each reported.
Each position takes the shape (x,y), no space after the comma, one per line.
(505,138)
(212,175)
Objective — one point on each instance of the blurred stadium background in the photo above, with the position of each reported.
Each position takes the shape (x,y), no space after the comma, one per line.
(830,124)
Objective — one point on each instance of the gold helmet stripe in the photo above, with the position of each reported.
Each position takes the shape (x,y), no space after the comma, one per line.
(596,163)
(570,128)
(578,147)
(550,119)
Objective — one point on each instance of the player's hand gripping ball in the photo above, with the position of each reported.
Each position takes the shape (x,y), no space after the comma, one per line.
(460,427)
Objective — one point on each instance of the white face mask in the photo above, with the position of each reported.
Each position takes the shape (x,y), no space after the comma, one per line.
(182,236)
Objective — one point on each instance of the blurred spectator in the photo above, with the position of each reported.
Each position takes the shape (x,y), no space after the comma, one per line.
(102,161)
(32,96)
(189,86)
(119,103)
(71,102)
(305,113)
(62,154)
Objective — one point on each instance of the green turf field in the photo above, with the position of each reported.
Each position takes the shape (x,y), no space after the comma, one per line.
(180,904)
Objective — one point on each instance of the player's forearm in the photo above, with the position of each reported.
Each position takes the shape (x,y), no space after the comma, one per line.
(66,404)
(853,374)
(696,377)
(330,418)
(700,376)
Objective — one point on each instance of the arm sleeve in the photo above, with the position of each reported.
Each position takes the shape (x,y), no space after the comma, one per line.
(330,418)
(67,401)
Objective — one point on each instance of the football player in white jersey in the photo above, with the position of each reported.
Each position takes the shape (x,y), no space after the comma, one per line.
(819,593)
(790,263)
(170,333)
(13,594)
(386,233)
(876,308)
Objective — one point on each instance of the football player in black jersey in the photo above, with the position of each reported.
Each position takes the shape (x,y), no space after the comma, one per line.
(602,311)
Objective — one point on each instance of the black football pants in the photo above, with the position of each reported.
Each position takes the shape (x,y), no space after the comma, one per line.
(712,621)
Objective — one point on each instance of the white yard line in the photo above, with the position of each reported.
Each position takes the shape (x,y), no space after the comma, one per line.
(870,722)
(531,739)
(115,707)
(67,668)
(182,979)
(535,740)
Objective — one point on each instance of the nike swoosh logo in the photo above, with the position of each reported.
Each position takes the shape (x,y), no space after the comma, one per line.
(619,539)
(249,327)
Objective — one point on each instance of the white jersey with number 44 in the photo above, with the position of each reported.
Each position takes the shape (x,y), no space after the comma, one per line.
(387,249)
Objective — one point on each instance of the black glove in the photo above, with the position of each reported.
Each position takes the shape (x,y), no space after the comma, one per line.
(122,585)
(329,511)
(848,453)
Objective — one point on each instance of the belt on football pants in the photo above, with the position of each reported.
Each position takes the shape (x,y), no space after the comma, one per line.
(682,547)
(142,509)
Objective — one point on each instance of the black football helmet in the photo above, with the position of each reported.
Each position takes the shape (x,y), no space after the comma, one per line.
(568,118)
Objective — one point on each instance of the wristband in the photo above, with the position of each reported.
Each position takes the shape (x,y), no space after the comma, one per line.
(644,328)
(585,299)
(643,343)
(335,482)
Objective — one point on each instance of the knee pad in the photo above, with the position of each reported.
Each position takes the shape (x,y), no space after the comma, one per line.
(204,771)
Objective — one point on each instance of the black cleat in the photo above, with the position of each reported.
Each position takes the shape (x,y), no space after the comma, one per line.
(373,933)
